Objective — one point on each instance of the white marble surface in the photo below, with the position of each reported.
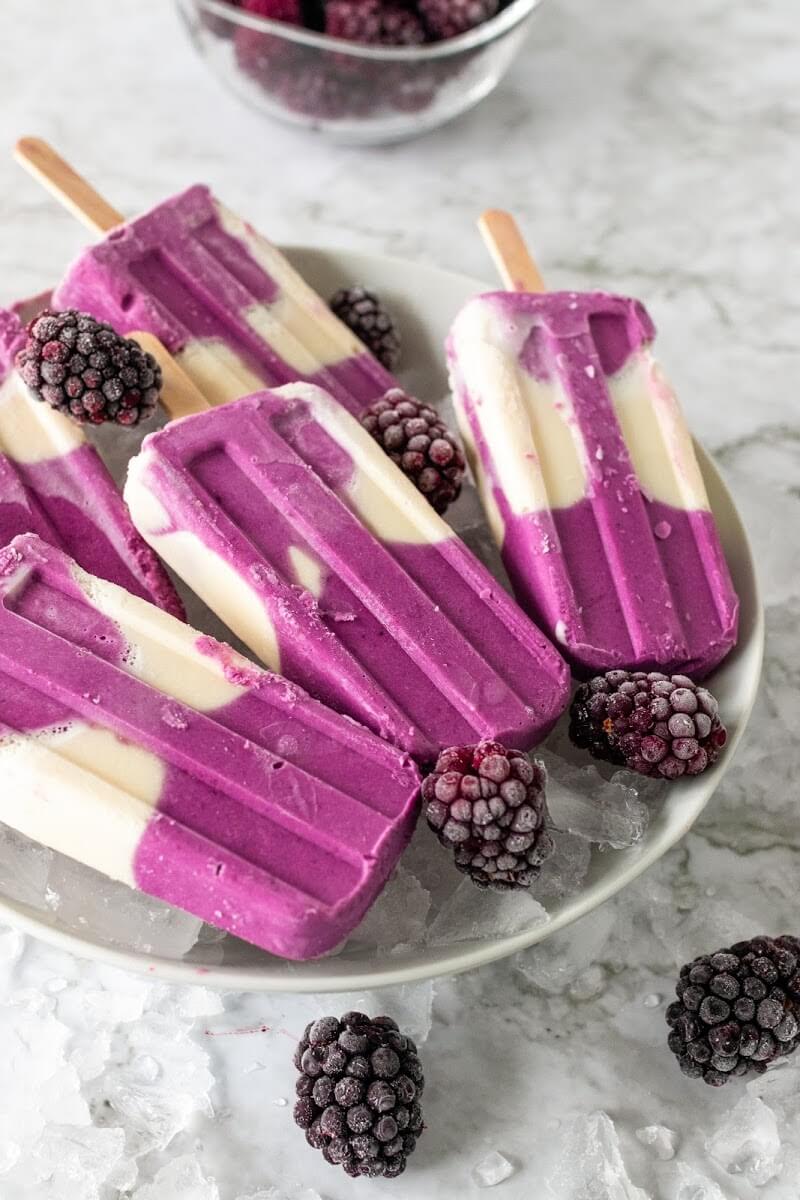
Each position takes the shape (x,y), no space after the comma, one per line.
(649,147)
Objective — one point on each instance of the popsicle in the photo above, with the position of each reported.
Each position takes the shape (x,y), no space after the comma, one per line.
(133,744)
(588,474)
(285,516)
(54,483)
(223,300)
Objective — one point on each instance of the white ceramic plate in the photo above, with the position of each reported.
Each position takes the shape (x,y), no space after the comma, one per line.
(426,300)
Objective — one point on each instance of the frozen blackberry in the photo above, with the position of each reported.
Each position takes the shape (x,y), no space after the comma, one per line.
(655,724)
(400,27)
(364,312)
(487,804)
(81,367)
(737,1010)
(415,437)
(288,11)
(447,18)
(359,1092)
(353,20)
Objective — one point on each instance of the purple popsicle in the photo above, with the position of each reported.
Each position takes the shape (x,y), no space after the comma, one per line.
(160,757)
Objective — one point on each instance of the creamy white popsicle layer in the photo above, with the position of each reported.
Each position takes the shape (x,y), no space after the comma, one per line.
(590,481)
(223,300)
(292,524)
(134,744)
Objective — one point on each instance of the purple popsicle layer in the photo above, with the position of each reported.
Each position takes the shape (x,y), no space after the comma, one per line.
(288,519)
(53,483)
(591,482)
(161,757)
(223,300)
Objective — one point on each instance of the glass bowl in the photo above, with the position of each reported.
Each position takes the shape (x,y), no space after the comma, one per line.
(354,93)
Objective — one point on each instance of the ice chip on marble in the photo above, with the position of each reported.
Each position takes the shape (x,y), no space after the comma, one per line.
(563,873)
(491,1170)
(660,1140)
(779,1088)
(591,1166)
(12,943)
(9,1155)
(600,810)
(589,983)
(398,916)
(86,901)
(153,1110)
(691,1184)
(477,914)
(560,959)
(748,1142)
(80,1162)
(24,867)
(181,1179)
(713,925)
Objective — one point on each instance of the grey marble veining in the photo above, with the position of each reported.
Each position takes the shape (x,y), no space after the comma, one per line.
(651,148)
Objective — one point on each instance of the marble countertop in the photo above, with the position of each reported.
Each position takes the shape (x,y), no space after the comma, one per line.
(653,148)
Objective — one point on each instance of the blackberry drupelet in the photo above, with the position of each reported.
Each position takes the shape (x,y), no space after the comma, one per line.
(353,20)
(81,367)
(359,1092)
(447,18)
(737,1010)
(361,310)
(652,723)
(400,27)
(415,437)
(487,804)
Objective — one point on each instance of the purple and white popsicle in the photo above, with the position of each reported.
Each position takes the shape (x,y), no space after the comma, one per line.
(590,481)
(54,483)
(224,301)
(291,523)
(130,742)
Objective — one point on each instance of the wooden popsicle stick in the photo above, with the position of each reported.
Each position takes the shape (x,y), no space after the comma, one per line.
(179,396)
(68,187)
(511,256)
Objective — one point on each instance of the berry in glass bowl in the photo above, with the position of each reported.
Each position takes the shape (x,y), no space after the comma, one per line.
(360,71)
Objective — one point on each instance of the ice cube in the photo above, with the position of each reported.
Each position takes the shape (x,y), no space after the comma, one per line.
(779,1088)
(564,871)
(24,866)
(80,1161)
(86,901)
(712,926)
(11,946)
(692,1184)
(153,1108)
(559,960)
(747,1142)
(589,983)
(581,801)
(432,866)
(181,1179)
(492,1169)
(660,1140)
(591,1166)
(397,918)
(478,914)
(9,1155)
